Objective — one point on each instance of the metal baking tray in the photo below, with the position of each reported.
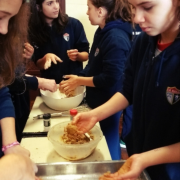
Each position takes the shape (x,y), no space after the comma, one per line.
(80,171)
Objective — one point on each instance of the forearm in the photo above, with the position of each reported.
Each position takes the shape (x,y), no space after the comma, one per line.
(8,130)
(82,56)
(85,81)
(117,103)
(167,154)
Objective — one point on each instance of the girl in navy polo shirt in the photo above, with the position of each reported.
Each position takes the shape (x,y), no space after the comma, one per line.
(104,73)
(152,85)
(60,42)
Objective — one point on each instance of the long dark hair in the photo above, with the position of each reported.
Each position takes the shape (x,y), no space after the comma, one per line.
(178,11)
(37,25)
(12,45)
(117,9)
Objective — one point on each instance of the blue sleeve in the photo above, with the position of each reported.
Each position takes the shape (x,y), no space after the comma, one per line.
(32,82)
(115,52)
(81,42)
(84,71)
(21,84)
(6,105)
(132,65)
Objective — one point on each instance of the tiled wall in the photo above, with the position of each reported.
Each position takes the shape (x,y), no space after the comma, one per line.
(78,9)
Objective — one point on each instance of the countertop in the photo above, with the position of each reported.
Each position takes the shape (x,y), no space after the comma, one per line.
(42,150)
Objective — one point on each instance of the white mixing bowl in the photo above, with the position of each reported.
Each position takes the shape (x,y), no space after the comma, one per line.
(56,101)
(73,151)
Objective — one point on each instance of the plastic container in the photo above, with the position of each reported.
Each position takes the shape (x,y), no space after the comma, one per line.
(73,151)
(73,113)
(47,121)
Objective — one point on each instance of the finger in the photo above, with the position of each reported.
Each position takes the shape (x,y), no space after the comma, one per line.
(48,63)
(72,50)
(58,59)
(53,60)
(72,59)
(28,46)
(74,54)
(24,56)
(35,168)
(75,119)
(29,54)
(45,66)
(127,176)
(63,85)
(67,77)
(31,51)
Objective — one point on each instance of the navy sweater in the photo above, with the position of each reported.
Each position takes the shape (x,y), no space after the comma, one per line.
(6,106)
(107,58)
(6,109)
(156,105)
(19,91)
(73,37)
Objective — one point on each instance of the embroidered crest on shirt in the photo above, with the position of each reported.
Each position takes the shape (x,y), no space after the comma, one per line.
(97,52)
(66,36)
(173,95)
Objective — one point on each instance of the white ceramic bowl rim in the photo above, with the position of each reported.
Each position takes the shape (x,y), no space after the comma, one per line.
(44,94)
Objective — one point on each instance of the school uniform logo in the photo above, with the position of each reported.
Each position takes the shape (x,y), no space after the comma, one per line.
(66,36)
(173,95)
(96,52)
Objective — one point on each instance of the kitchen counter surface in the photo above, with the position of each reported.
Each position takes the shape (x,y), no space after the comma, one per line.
(42,150)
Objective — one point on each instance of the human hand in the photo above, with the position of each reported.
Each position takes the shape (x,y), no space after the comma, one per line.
(84,121)
(47,84)
(48,58)
(70,84)
(18,167)
(17,150)
(28,51)
(130,170)
(73,54)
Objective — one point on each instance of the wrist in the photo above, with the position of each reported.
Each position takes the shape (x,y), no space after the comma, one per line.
(80,81)
(39,82)
(4,148)
(144,159)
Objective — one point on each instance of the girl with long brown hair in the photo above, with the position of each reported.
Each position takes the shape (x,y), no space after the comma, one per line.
(152,85)
(103,74)
(13,33)
(60,42)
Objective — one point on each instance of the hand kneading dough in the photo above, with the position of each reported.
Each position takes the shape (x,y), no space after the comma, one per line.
(124,169)
(70,94)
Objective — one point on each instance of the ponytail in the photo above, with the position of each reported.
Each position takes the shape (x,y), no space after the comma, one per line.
(117,9)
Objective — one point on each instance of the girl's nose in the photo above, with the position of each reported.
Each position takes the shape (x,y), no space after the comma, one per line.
(138,17)
(57,5)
